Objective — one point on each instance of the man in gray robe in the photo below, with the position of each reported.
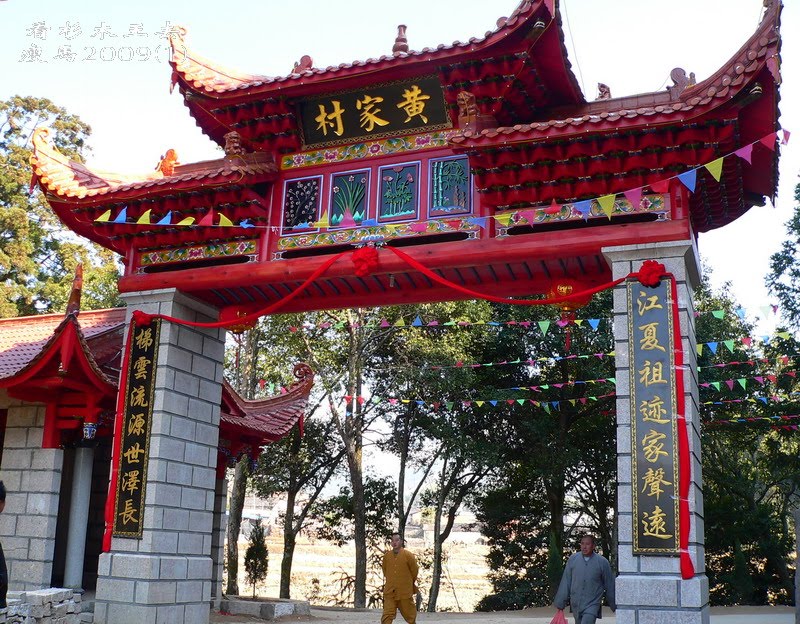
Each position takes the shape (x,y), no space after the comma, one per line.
(585,578)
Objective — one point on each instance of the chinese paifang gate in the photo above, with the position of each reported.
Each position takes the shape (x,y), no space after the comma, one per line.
(469,169)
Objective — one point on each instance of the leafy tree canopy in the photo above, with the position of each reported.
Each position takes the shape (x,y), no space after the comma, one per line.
(37,255)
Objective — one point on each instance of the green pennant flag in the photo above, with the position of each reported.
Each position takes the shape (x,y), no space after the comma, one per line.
(613,380)
(448,404)
(517,361)
(521,401)
(742,382)
(718,313)
(544,326)
(729,344)
(544,387)
(449,323)
(716,384)
(546,407)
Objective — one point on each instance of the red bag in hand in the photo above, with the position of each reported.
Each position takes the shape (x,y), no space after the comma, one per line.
(559,618)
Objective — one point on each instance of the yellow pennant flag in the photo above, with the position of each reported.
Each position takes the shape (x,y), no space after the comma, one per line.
(186,221)
(479,403)
(144,219)
(607,204)
(503,219)
(104,218)
(224,221)
(400,323)
(323,221)
(715,168)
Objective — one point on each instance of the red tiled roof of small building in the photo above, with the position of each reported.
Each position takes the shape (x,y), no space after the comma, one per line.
(25,340)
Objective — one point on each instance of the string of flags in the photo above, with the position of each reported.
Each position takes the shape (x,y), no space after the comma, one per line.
(583,208)
(750,419)
(784,359)
(547,406)
(743,381)
(543,326)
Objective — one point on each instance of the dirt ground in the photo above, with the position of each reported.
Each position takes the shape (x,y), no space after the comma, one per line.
(719,615)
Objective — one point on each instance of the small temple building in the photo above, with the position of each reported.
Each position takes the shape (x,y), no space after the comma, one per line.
(475,168)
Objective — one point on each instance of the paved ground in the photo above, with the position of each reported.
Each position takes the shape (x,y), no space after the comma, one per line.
(719,615)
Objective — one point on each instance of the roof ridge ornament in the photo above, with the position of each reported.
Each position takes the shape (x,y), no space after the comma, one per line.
(74,301)
(681,81)
(400,42)
(306,63)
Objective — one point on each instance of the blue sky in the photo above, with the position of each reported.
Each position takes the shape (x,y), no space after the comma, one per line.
(120,85)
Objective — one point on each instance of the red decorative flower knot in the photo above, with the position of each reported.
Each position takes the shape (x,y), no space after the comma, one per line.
(142,318)
(651,273)
(365,261)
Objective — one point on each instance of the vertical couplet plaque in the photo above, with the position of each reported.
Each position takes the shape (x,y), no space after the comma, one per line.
(654,439)
(137,412)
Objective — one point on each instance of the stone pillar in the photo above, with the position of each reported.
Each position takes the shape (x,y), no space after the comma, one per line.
(78,516)
(649,588)
(166,576)
(32,476)
(218,541)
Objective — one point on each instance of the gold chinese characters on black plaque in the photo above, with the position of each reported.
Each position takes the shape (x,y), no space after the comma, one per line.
(654,440)
(137,412)
(374,112)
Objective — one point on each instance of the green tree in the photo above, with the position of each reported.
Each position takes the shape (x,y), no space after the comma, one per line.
(751,472)
(555,458)
(783,280)
(256,557)
(37,257)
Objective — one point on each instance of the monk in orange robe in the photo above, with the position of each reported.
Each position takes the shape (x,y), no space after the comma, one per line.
(400,571)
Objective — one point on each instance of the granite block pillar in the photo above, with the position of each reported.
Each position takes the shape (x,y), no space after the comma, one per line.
(649,588)
(167,575)
(32,476)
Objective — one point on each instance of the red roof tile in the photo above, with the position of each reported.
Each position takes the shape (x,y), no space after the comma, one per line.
(59,175)
(207,76)
(22,340)
(656,107)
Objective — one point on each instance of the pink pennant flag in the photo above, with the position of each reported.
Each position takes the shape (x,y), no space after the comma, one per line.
(528,215)
(420,226)
(454,224)
(747,341)
(769,141)
(634,196)
(729,383)
(347,220)
(208,219)
(745,153)
(786,135)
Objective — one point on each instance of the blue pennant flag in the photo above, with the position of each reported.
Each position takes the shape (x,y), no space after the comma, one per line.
(689,179)
(167,220)
(494,403)
(479,221)
(417,322)
(713,346)
(584,208)
(122,216)
(369,222)
(245,223)
(594,323)
(740,312)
